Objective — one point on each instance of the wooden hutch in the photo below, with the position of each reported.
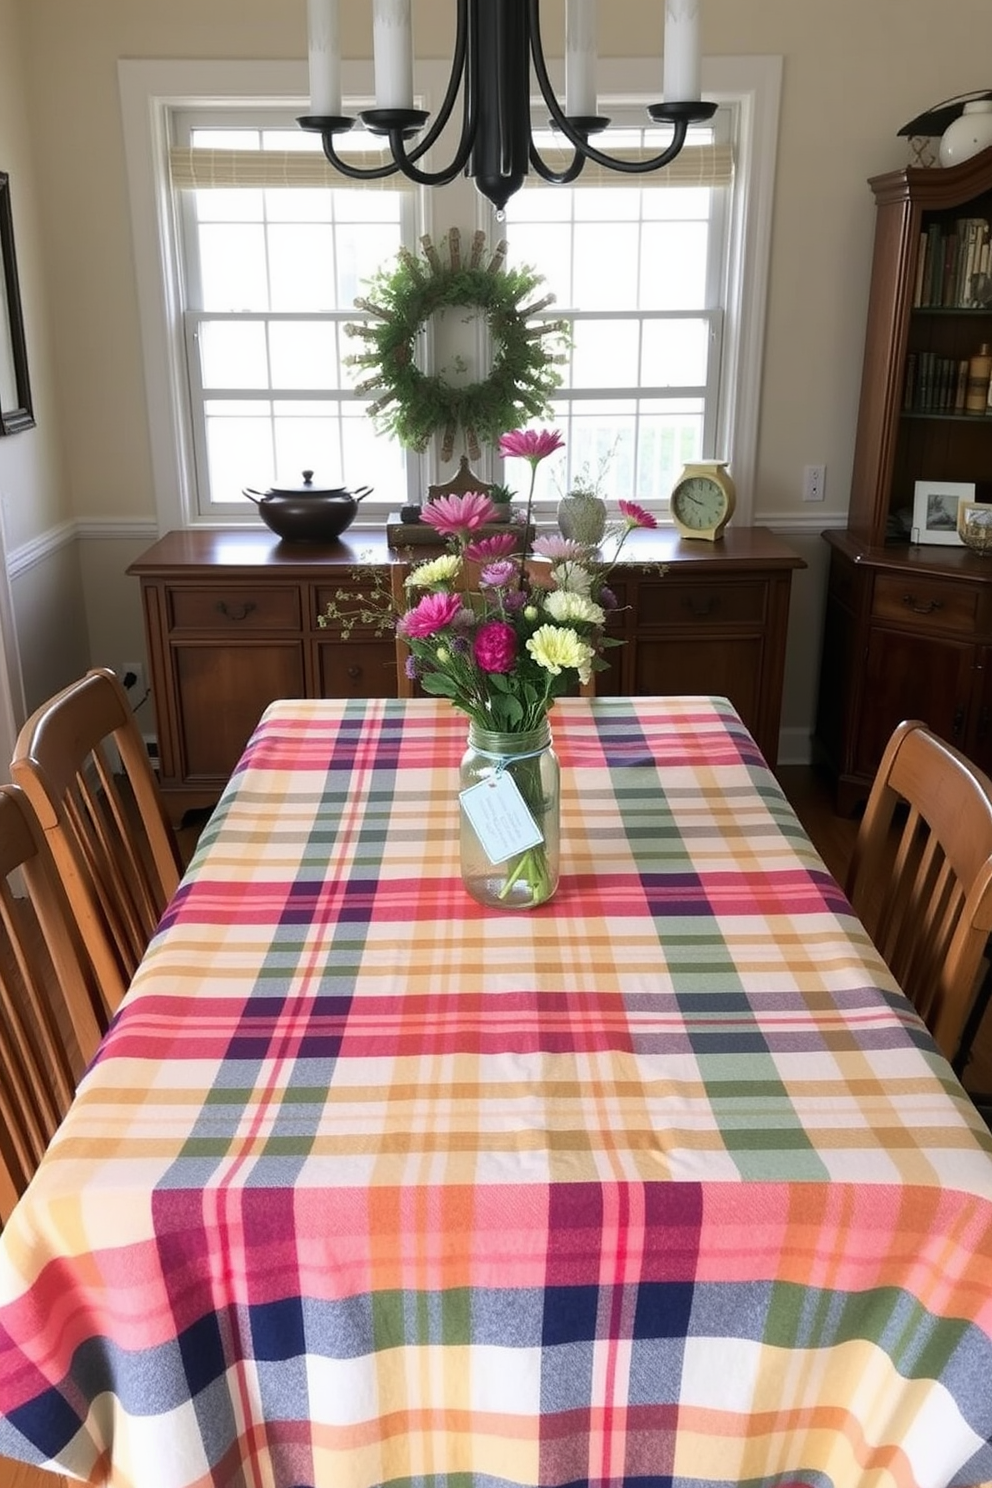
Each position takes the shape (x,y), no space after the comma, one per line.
(908,628)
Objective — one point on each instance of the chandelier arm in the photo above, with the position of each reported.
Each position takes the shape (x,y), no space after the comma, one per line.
(455,81)
(355,172)
(575,137)
(443,177)
(557,178)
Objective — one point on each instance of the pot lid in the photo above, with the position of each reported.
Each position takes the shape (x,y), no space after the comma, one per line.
(307,487)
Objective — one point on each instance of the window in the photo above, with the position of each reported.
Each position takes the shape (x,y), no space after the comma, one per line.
(248,381)
(638,267)
(271,273)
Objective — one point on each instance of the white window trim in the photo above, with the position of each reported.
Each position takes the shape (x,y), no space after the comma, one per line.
(149,88)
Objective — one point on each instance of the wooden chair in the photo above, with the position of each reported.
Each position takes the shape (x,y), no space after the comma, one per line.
(48,1027)
(922,887)
(83,766)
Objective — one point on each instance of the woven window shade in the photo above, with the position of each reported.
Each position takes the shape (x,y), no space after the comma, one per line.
(696,165)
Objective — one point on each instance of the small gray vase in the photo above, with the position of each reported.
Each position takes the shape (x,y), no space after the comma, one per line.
(582,516)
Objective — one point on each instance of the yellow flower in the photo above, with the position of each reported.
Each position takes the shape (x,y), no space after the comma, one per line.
(554,647)
(563,604)
(435,571)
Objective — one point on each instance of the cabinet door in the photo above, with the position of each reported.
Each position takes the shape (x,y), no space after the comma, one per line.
(221,692)
(979,745)
(356,668)
(721,666)
(912,676)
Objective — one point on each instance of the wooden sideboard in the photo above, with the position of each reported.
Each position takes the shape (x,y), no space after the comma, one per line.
(231,624)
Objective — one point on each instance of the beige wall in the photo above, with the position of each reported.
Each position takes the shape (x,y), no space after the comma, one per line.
(854,72)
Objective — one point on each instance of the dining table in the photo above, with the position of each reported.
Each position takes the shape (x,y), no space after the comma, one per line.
(660,1184)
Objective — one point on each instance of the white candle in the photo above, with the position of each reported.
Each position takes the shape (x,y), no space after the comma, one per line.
(325,58)
(580,59)
(682,62)
(392,46)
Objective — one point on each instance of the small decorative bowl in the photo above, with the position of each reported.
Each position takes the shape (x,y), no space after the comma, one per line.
(976,533)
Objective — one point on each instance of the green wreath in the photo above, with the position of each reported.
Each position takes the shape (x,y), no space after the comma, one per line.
(415,405)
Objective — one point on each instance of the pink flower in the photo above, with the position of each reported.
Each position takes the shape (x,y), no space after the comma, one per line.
(531,444)
(636,516)
(456,516)
(485,549)
(553,546)
(431,614)
(495,646)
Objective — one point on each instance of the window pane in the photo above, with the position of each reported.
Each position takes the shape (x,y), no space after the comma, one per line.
(605,267)
(605,353)
(239,449)
(360,253)
(301,260)
(304,354)
(547,248)
(674,352)
(673,266)
(233,268)
(224,204)
(287,204)
(306,438)
(232,354)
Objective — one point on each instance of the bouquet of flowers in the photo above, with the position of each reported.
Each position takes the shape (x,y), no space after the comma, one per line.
(503,633)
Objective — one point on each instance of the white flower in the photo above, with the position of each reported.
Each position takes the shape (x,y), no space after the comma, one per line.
(565,604)
(434,571)
(572,577)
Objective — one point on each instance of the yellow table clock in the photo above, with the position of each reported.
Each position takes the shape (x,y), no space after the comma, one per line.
(703,500)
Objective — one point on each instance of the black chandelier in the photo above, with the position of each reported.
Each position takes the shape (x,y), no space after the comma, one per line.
(496,42)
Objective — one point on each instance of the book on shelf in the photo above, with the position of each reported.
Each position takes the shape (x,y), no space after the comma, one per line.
(950,262)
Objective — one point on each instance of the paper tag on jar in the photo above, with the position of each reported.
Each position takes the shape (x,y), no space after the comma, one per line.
(500,817)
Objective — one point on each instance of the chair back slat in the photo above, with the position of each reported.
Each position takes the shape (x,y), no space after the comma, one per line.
(49,1029)
(922,886)
(81,761)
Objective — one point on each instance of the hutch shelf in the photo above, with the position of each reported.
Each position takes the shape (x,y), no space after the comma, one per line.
(908,628)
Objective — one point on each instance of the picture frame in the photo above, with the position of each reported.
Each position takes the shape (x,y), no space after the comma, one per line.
(16,412)
(935,511)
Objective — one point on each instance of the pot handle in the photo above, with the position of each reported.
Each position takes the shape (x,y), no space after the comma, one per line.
(255,496)
(362,492)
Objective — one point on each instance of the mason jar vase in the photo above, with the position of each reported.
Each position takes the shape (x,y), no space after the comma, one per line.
(527,878)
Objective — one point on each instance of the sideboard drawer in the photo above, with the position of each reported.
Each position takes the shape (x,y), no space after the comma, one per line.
(237,609)
(922,601)
(721,602)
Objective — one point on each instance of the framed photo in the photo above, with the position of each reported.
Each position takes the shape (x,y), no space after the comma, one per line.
(935,510)
(15,388)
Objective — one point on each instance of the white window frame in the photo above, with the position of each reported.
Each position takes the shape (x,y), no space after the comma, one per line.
(150,88)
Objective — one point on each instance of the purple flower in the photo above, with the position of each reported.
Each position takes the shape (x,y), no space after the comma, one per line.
(515,600)
(495,647)
(412,667)
(498,575)
(607,599)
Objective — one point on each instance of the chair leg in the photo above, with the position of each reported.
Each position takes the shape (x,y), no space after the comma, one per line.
(970,1031)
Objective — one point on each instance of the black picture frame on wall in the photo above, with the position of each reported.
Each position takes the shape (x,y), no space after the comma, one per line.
(16,412)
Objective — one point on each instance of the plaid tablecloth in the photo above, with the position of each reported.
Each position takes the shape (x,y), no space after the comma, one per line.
(660,1184)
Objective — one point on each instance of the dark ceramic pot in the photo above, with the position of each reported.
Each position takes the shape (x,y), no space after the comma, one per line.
(307,513)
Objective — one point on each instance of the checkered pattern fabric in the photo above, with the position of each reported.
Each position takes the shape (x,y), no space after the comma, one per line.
(662,1184)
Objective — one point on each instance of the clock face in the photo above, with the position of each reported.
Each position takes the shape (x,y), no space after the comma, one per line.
(699,503)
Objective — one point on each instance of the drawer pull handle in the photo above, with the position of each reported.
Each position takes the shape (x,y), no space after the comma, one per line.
(699,605)
(922,609)
(236,612)
(354,672)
